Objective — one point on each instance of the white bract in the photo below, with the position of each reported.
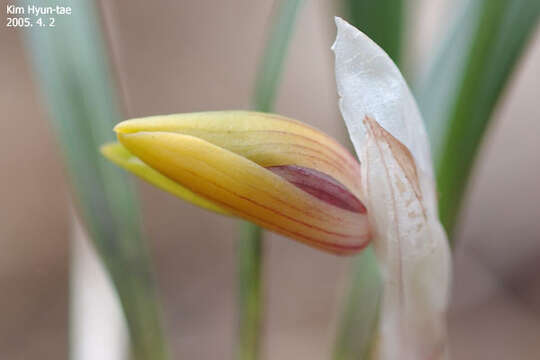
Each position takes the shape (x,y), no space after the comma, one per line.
(389,137)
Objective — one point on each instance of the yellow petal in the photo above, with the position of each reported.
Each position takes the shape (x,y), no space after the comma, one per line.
(119,155)
(243,187)
(266,139)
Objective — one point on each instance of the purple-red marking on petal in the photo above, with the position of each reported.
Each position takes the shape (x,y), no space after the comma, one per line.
(320,185)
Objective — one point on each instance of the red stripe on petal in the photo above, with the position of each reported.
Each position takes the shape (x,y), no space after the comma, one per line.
(321,186)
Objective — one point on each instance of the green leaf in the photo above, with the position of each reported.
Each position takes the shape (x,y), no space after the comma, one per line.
(358,323)
(249,292)
(382,21)
(465,82)
(270,69)
(71,66)
(250,246)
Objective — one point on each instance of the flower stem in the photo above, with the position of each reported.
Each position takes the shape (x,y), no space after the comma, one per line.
(360,316)
(249,260)
(250,245)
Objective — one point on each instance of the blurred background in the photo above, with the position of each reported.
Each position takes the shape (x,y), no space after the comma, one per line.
(185,56)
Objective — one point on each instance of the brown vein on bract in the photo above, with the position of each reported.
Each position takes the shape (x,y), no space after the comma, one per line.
(372,126)
(404,158)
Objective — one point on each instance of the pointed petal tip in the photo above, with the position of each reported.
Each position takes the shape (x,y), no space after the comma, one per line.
(105,148)
(128,126)
(108,149)
(116,153)
(120,155)
(118,127)
(341,24)
(346,30)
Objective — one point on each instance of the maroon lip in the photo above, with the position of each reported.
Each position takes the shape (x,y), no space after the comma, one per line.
(320,185)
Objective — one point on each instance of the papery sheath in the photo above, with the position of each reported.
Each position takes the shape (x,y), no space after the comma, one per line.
(388,133)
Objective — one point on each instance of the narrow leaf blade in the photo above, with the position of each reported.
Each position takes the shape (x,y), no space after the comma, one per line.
(467,80)
(72,71)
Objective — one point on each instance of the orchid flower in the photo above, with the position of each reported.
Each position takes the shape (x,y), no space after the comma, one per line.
(295,180)
(276,172)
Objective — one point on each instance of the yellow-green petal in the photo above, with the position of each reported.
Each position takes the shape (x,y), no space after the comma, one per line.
(248,190)
(121,156)
(266,139)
